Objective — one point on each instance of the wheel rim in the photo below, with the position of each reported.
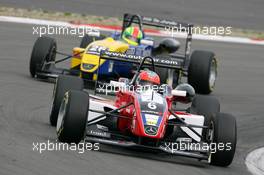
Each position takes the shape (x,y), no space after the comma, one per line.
(213,74)
(49,57)
(210,138)
(61,114)
(53,97)
(52,55)
(176,78)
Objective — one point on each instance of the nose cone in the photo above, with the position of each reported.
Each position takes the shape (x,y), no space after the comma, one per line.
(151,115)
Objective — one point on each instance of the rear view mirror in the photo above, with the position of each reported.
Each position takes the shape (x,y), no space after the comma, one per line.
(93,32)
(147,42)
(178,93)
(124,80)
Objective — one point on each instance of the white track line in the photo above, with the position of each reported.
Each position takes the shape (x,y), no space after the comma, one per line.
(227,39)
(255,161)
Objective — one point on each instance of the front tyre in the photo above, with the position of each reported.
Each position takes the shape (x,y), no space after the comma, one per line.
(224,133)
(202,71)
(206,106)
(44,50)
(72,119)
(63,84)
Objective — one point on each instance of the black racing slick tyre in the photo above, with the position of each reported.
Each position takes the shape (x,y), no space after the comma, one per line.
(86,40)
(44,50)
(202,71)
(225,138)
(63,84)
(73,115)
(202,104)
(206,106)
(164,74)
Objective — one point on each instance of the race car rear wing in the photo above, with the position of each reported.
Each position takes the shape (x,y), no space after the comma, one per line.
(129,19)
(168,62)
(156,22)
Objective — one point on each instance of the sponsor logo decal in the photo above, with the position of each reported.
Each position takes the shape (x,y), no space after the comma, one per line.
(139,58)
(151,130)
(150,119)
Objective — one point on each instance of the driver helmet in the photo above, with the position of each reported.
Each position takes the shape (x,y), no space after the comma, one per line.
(148,78)
(132,35)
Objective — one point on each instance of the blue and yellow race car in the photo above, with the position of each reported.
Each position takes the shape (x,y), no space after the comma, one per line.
(86,60)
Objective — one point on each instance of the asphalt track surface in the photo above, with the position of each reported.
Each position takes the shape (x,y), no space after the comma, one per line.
(235,13)
(25,106)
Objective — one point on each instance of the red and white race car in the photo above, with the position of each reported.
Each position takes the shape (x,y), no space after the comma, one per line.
(145,117)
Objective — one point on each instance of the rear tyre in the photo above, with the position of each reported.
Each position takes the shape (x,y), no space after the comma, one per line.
(63,84)
(164,74)
(202,71)
(44,50)
(73,115)
(86,40)
(206,106)
(224,133)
